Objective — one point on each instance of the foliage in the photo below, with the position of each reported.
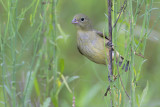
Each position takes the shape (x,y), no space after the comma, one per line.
(40,65)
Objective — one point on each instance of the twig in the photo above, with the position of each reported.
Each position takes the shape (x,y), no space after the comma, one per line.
(139,54)
(110,73)
(108,89)
(122,83)
(122,8)
(110,40)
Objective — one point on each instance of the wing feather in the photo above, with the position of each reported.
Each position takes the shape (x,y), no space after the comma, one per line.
(101,34)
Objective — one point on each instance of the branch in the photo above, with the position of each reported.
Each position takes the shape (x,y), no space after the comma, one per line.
(122,83)
(110,39)
(139,54)
(110,73)
(122,8)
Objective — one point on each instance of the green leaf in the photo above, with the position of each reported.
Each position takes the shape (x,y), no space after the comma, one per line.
(63,35)
(46,103)
(37,89)
(55,101)
(90,95)
(61,65)
(139,71)
(148,2)
(63,84)
(66,83)
(137,99)
(144,94)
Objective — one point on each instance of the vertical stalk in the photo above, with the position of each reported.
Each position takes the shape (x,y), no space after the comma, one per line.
(110,39)
(132,54)
(110,73)
(3,67)
(54,39)
(114,17)
(36,35)
(13,34)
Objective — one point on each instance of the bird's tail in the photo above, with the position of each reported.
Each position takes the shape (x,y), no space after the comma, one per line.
(125,66)
(121,59)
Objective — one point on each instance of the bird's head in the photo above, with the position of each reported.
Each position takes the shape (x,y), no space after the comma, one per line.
(82,22)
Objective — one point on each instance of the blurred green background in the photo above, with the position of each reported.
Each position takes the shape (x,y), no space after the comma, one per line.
(90,80)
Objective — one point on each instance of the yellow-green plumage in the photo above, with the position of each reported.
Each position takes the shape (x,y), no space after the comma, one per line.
(91,43)
(92,46)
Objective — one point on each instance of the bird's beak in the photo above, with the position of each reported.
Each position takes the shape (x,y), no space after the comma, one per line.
(74,21)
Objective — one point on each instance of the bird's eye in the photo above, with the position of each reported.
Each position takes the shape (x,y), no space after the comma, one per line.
(82,19)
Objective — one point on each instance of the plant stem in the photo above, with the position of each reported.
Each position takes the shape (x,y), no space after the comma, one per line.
(110,73)
(110,39)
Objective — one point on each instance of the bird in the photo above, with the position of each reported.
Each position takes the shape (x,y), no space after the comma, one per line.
(94,44)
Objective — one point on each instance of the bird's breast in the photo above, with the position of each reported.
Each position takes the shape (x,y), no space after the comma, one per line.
(91,46)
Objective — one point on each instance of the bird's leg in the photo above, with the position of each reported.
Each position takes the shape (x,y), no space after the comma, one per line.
(109,44)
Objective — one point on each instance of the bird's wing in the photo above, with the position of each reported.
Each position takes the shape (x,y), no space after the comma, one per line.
(108,44)
(101,34)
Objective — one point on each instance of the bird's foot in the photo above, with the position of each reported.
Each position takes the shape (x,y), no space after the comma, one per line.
(109,44)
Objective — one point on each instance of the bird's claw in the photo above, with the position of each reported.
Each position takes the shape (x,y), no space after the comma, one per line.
(109,44)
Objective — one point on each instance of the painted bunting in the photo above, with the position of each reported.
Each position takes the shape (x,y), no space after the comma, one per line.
(93,44)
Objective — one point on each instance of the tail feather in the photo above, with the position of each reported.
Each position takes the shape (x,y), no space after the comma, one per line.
(125,66)
(121,59)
